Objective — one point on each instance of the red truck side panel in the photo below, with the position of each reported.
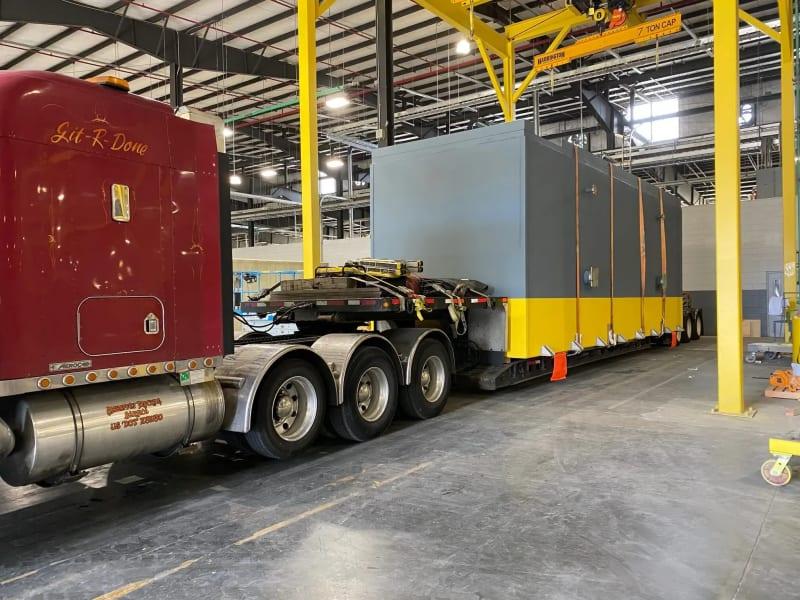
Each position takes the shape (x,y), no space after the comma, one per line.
(76,285)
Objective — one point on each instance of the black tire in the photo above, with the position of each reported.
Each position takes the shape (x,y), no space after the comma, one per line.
(414,402)
(371,378)
(688,329)
(237,441)
(698,325)
(291,398)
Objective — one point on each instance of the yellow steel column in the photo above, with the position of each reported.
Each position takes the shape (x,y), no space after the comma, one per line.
(728,210)
(309,158)
(787,153)
(509,81)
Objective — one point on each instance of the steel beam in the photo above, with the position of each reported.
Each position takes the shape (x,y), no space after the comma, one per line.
(546,24)
(760,25)
(175,85)
(385,64)
(465,22)
(509,82)
(730,377)
(606,114)
(552,22)
(309,141)
(169,45)
(788,164)
(276,141)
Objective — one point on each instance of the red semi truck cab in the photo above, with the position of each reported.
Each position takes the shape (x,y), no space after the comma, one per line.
(114,261)
(110,230)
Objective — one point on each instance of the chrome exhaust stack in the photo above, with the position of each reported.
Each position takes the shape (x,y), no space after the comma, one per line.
(58,434)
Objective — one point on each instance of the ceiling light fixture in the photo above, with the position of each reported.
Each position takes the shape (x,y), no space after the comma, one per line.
(337,101)
(334,163)
(463,47)
(268,173)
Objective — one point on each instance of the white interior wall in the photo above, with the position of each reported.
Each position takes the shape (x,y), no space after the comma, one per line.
(334,252)
(762,244)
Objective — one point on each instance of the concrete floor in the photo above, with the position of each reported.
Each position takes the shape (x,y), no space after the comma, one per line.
(615,484)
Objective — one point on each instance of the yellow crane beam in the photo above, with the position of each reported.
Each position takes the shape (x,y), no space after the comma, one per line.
(465,21)
(636,34)
(759,24)
(461,15)
(547,24)
(554,21)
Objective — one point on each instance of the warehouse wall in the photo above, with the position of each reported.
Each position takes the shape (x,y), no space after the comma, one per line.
(334,252)
(762,252)
(765,111)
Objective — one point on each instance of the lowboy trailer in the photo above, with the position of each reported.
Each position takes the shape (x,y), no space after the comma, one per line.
(118,324)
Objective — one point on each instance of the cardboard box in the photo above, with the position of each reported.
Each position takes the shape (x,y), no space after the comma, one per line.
(751,328)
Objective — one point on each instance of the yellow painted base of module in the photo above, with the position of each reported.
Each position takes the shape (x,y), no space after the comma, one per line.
(539,325)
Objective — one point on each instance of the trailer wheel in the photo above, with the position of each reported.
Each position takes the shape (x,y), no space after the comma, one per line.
(289,410)
(688,329)
(426,395)
(698,325)
(370,396)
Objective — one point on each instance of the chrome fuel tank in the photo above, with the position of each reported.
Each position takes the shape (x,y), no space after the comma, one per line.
(65,431)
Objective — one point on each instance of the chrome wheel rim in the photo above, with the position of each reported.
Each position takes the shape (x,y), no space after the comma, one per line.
(372,394)
(432,378)
(294,409)
(689,329)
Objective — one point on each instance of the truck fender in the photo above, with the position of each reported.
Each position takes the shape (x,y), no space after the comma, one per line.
(241,374)
(407,340)
(338,348)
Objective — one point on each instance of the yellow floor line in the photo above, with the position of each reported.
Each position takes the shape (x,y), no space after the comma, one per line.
(345,479)
(285,523)
(123,591)
(18,577)
(419,467)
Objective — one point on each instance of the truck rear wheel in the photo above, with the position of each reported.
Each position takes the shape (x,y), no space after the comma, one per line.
(426,395)
(370,396)
(688,328)
(289,410)
(698,325)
